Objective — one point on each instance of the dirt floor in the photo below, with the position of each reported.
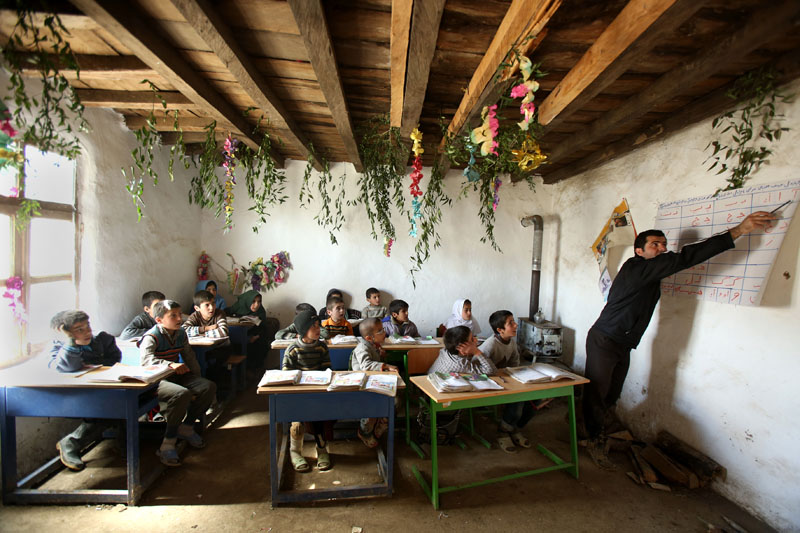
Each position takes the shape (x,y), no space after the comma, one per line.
(225,487)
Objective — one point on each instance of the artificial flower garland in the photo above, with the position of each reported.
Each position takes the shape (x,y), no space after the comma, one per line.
(266,275)
(416,176)
(202,270)
(387,246)
(14,293)
(525,91)
(229,163)
(485,134)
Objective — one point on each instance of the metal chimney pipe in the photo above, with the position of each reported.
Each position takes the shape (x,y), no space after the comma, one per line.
(536,264)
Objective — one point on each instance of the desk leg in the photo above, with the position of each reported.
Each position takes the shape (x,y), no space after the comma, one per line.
(573,433)
(390,444)
(132,435)
(434,457)
(8,447)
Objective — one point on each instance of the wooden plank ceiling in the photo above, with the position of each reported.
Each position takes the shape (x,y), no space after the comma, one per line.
(619,72)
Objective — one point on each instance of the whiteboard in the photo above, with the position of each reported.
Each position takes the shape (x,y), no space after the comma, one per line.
(739,275)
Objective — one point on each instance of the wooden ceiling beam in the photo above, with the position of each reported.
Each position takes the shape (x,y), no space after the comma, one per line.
(633,33)
(425,19)
(524,18)
(134,99)
(718,101)
(210,26)
(310,18)
(94,67)
(770,24)
(398,57)
(135,33)
(169,138)
(167,123)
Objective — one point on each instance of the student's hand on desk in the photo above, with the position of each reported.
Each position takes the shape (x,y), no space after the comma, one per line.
(209,328)
(388,368)
(179,368)
(753,221)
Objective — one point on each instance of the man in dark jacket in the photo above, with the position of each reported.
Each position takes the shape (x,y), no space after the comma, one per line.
(631,302)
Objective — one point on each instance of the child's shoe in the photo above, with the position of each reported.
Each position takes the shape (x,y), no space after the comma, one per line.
(368,439)
(69,457)
(520,440)
(380,427)
(505,443)
(169,456)
(188,434)
(323,459)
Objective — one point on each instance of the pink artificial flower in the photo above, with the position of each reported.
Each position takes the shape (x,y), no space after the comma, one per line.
(13,192)
(7,128)
(14,283)
(527,110)
(519,91)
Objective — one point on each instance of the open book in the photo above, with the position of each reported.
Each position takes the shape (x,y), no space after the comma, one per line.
(120,372)
(347,381)
(401,339)
(455,382)
(344,339)
(383,384)
(279,377)
(249,320)
(315,377)
(538,373)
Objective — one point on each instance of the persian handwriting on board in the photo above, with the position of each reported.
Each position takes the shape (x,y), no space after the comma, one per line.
(738,276)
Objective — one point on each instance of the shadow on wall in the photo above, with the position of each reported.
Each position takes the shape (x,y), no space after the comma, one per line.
(780,285)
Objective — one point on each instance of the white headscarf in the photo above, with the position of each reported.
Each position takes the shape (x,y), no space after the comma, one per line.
(456,319)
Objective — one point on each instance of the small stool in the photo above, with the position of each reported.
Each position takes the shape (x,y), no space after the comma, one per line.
(236,367)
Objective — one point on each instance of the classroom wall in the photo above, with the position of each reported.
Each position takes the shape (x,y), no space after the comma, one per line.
(720,377)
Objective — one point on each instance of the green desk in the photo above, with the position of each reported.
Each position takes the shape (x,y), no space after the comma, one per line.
(513,392)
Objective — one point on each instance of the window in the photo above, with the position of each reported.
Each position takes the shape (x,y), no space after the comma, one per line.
(41,250)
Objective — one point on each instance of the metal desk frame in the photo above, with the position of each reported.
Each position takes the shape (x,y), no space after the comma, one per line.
(126,403)
(497,398)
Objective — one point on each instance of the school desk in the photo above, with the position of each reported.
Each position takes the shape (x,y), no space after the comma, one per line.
(514,392)
(46,393)
(395,354)
(305,403)
(200,346)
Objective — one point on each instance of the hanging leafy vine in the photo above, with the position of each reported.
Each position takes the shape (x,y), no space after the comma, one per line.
(50,120)
(266,184)
(205,188)
(745,134)
(330,214)
(384,155)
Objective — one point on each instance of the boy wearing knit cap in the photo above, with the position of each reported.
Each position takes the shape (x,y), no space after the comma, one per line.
(308,352)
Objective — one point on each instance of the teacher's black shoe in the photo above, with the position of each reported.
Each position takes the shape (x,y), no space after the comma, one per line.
(69,456)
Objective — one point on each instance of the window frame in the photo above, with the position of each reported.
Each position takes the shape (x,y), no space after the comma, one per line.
(21,245)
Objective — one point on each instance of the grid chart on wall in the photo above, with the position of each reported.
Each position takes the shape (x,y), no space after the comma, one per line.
(739,275)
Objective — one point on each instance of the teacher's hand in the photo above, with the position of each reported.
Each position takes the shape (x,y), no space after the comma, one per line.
(754,221)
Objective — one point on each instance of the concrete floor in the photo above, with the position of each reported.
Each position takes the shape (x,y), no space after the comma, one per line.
(225,487)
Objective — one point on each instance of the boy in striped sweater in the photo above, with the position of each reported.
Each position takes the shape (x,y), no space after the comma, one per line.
(307,352)
(167,344)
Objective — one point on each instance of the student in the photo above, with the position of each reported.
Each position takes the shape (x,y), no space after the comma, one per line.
(336,324)
(368,355)
(350,314)
(462,316)
(185,395)
(290,332)
(307,352)
(144,320)
(249,304)
(374,309)
(461,354)
(211,286)
(81,347)
(398,323)
(501,348)
(207,320)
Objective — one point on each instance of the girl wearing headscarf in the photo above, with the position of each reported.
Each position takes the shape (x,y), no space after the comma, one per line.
(249,304)
(211,286)
(462,316)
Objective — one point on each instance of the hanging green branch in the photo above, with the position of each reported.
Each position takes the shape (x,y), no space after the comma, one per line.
(428,239)
(384,155)
(330,214)
(265,182)
(205,188)
(57,113)
(746,134)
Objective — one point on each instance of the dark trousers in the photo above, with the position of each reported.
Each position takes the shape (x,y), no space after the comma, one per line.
(184,398)
(607,365)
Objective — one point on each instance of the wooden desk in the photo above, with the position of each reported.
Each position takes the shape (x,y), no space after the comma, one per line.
(50,394)
(304,403)
(513,392)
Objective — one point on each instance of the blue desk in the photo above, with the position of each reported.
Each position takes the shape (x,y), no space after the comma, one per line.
(77,400)
(305,403)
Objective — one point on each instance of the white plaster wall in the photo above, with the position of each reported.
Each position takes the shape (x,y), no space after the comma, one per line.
(720,377)
(463,268)
(120,257)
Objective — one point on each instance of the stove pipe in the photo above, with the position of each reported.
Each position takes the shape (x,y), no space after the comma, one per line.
(536,264)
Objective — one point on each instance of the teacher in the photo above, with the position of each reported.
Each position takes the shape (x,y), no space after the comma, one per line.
(625,317)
